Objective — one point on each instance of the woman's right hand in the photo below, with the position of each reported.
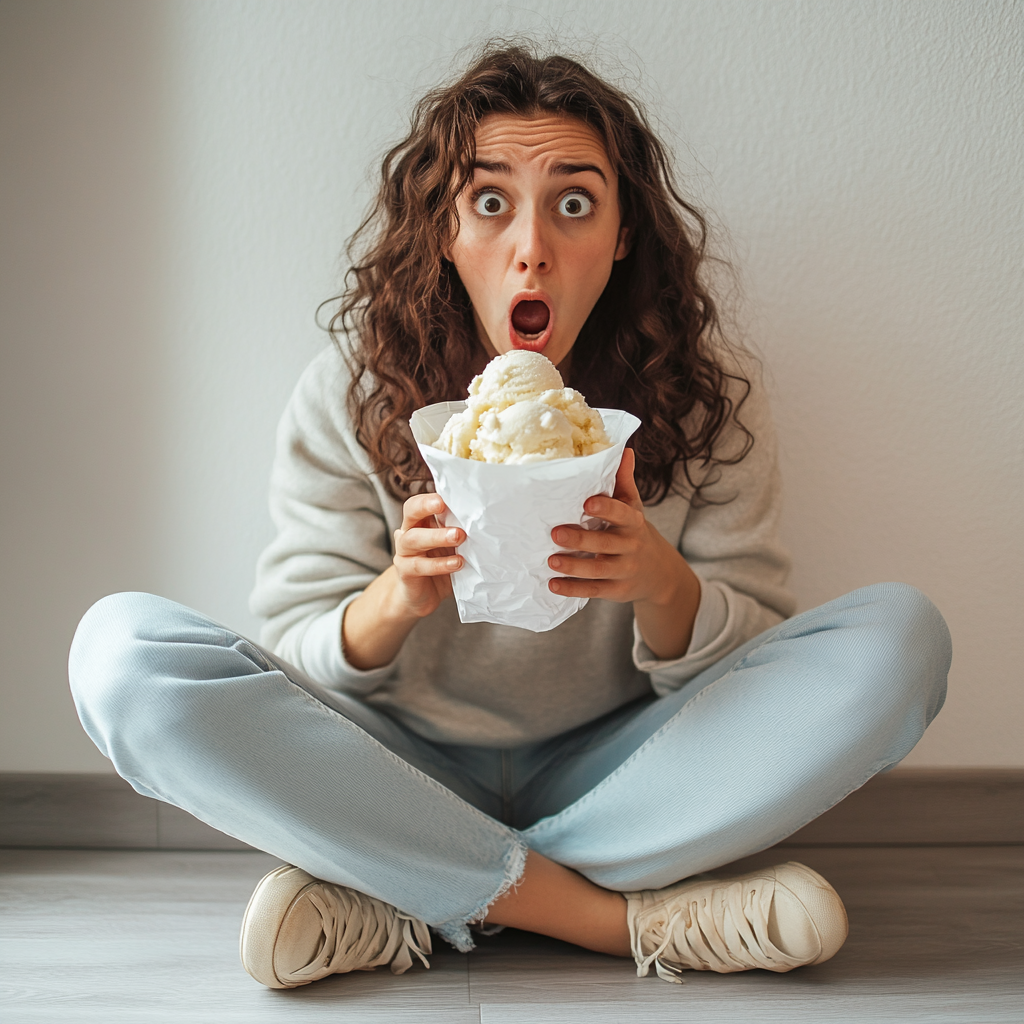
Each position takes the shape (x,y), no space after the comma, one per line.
(377,622)
(425,555)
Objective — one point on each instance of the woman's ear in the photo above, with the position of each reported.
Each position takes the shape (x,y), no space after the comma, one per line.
(625,242)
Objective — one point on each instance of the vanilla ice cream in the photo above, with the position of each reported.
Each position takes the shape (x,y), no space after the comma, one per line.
(518,411)
(512,377)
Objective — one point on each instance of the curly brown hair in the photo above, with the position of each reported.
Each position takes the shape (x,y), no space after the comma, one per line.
(651,345)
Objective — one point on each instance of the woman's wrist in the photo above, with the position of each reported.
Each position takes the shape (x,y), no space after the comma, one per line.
(666,618)
(376,624)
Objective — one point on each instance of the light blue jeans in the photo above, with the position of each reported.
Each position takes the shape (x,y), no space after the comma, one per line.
(739,758)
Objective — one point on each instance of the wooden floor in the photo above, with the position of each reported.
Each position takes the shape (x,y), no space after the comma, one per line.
(152,936)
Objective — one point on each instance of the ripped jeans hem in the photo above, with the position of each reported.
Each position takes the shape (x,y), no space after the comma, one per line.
(457,933)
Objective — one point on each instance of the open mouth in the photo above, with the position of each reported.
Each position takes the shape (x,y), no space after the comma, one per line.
(530,324)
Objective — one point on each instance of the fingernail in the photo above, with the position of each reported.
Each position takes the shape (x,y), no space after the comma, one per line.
(454,563)
(452,536)
(554,562)
(559,536)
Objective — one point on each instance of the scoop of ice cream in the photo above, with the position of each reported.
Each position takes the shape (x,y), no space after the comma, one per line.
(518,411)
(512,377)
(525,432)
(588,433)
(458,433)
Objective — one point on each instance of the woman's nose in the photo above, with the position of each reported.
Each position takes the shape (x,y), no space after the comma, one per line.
(533,251)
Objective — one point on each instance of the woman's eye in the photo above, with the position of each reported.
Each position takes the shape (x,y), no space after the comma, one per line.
(490,204)
(575,204)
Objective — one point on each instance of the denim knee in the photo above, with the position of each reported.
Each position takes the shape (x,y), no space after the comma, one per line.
(919,641)
(132,657)
(105,669)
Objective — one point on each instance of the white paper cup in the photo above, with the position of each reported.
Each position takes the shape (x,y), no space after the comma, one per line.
(508,513)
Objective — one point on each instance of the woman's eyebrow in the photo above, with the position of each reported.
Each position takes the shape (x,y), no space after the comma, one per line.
(565,169)
(561,170)
(494,168)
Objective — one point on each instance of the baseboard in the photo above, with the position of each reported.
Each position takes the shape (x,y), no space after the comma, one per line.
(910,806)
(925,806)
(96,811)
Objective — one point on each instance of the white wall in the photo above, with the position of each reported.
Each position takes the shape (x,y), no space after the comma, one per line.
(179,178)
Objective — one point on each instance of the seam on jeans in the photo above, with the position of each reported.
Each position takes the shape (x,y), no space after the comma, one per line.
(254,654)
(439,787)
(318,705)
(513,859)
(591,794)
(506,788)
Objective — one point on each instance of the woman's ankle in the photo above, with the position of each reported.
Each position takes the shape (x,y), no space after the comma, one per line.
(554,900)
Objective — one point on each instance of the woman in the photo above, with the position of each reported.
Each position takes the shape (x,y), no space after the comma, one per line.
(415,771)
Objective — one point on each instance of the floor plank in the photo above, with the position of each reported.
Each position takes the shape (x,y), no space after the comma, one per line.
(708,1009)
(119,936)
(96,936)
(935,935)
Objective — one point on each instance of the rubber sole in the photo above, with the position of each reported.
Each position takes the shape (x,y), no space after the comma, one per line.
(263,918)
(815,892)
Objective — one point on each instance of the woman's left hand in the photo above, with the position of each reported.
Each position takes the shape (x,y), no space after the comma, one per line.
(631,561)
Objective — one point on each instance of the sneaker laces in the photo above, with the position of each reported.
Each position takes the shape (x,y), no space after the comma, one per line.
(361,933)
(723,930)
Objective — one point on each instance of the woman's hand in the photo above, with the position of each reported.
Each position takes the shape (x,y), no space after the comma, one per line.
(632,562)
(425,555)
(377,622)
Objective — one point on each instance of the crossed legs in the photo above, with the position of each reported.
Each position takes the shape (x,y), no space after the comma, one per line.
(735,760)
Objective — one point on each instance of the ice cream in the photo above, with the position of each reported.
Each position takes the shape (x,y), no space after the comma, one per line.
(516,375)
(518,411)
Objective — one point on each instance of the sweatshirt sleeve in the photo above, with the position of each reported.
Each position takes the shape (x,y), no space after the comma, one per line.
(730,540)
(332,534)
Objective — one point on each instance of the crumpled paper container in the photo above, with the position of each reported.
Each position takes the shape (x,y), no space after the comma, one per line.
(508,513)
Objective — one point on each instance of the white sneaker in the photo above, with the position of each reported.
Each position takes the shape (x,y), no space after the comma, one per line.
(777,918)
(298,929)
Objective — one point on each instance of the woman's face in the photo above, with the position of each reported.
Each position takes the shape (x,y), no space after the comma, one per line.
(539,230)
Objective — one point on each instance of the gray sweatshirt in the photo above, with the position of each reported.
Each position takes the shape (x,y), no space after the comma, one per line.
(482,684)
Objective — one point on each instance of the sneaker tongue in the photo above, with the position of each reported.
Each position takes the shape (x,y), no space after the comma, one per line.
(530,317)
